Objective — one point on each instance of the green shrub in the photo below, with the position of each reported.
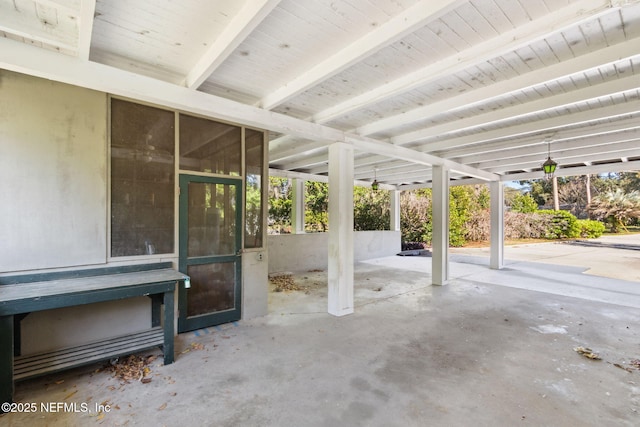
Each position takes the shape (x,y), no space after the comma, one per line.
(370,209)
(562,225)
(524,203)
(459,203)
(590,229)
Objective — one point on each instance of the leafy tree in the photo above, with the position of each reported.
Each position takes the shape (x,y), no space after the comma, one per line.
(524,203)
(540,189)
(616,208)
(573,195)
(630,181)
(370,209)
(416,213)
(279,203)
(510,193)
(480,196)
(460,206)
(253,234)
(317,205)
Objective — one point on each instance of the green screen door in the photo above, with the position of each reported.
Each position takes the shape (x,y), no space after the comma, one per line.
(210,243)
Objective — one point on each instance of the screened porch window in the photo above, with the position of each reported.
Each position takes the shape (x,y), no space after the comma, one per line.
(142,179)
(254,161)
(143,173)
(209,146)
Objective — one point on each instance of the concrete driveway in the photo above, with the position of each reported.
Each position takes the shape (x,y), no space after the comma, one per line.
(604,256)
(492,348)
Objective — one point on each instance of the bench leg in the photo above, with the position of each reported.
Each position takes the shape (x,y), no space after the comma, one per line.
(6,359)
(168,327)
(17,334)
(156,309)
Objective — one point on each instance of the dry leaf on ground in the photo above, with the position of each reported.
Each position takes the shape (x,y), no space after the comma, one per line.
(588,353)
(132,367)
(285,282)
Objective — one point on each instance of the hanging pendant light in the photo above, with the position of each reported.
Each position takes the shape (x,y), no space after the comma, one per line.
(374,184)
(549,166)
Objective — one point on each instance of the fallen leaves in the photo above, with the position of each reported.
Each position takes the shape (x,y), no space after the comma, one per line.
(284,282)
(132,368)
(634,365)
(631,366)
(587,352)
(193,346)
(617,365)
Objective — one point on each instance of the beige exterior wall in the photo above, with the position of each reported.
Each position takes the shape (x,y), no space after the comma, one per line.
(53,142)
(54,209)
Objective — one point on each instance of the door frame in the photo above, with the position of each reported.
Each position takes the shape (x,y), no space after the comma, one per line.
(205,320)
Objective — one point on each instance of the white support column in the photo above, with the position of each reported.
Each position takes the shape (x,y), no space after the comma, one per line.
(297,205)
(394,210)
(440,240)
(496,260)
(340,270)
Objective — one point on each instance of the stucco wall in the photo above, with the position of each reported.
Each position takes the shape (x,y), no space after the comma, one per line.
(299,252)
(53,202)
(54,213)
(255,283)
(53,172)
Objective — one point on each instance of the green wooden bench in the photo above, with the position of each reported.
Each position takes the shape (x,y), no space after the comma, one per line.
(23,294)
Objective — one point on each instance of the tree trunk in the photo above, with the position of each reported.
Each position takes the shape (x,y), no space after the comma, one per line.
(588,188)
(556,200)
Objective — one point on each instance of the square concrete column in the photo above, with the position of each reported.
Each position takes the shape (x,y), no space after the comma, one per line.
(394,210)
(440,239)
(496,259)
(297,205)
(340,263)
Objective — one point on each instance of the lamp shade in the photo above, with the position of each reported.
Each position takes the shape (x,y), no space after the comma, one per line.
(549,167)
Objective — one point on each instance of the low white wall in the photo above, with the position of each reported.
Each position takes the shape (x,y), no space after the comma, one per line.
(300,252)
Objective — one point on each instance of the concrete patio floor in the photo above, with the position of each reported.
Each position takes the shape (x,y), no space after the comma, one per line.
(492,348)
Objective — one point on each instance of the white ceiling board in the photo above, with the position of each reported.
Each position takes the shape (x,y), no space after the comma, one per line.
(44,23)
(479,82)
(23,58)
(223,45)
(381,36)
(488,50)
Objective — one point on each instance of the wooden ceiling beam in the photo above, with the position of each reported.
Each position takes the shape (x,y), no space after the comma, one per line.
(33,61)
(539,106)
(580,64)
(509,41)
(391,31)
(243,24)
(85,28)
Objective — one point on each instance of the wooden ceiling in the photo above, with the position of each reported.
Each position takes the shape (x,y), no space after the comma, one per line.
(484,87)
